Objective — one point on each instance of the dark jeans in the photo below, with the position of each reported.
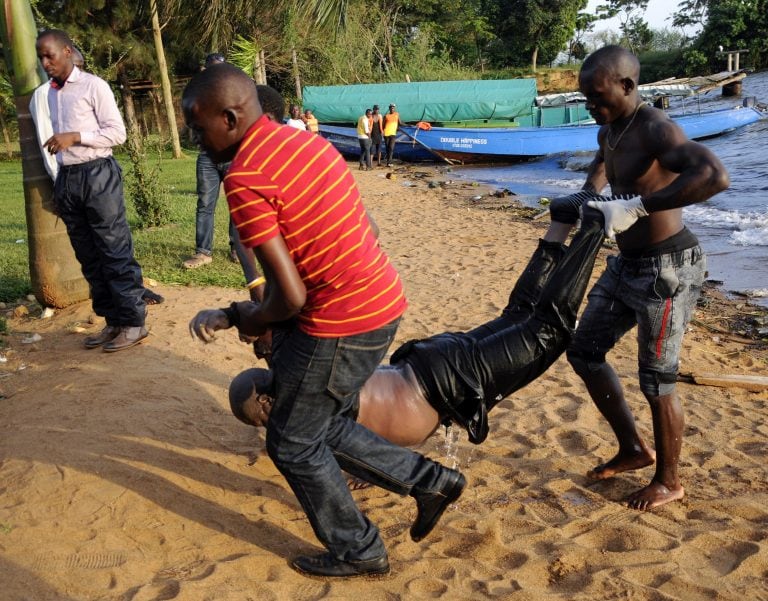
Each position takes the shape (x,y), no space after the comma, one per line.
(312,435)
(376,144)
(390,142)
(209,178)
(365,151)
(89,198)
(656,294)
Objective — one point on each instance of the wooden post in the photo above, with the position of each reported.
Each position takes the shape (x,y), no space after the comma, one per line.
(733,88)
(733,58)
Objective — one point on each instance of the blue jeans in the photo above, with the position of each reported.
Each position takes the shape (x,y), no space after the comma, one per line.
(365,152)
(658,295)
(209,178)
(312,435)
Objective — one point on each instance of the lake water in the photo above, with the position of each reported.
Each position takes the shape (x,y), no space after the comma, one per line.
(732,226)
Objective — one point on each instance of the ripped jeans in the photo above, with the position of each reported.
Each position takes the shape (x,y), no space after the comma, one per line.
(658,294)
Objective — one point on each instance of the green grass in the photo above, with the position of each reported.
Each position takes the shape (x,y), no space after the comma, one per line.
(160,251)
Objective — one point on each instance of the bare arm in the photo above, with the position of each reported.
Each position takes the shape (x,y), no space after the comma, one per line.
(596,176)
(283,297)
(701,174)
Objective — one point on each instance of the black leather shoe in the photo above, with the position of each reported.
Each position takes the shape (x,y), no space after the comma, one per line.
(431,505)
(326,565)
(129,336)
(107,334)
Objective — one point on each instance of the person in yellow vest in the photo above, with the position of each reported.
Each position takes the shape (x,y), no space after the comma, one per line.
(364,137)
(311,121)
(391,124)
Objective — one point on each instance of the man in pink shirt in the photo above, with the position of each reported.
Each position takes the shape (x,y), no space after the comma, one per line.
(88,191)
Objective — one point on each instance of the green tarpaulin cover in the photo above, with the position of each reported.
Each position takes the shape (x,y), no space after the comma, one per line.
(424,101)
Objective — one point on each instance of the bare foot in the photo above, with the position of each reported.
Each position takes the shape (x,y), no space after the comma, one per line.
(654,495)
(356,483)
(622,463)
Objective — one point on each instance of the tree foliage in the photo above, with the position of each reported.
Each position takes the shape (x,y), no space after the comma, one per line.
(636,34)
(732,24)
(357,41)
(533,31)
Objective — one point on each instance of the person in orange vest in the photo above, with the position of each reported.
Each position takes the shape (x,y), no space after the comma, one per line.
(391,124)
(377,134)
(311,121)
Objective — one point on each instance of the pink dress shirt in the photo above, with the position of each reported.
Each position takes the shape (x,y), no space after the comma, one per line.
(86,104)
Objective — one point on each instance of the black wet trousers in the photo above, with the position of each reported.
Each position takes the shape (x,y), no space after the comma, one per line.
(464,375)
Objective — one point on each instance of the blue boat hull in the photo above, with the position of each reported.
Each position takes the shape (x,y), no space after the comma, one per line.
(478,145)
(344,139)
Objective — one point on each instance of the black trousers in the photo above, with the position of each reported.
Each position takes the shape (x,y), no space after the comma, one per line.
(89,199)
(465,374)
(390,144)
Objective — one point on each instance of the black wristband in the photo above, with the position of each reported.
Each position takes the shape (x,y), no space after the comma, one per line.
(233,315)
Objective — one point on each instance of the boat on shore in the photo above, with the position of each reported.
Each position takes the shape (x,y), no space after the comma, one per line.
(492,144)
(483,121)
(344,139)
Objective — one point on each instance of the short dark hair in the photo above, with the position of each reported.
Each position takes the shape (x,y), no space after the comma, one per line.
(214,57)
(271,101)
(59,35)
(215,82)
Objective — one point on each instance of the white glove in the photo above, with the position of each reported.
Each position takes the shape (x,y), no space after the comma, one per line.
(619,215)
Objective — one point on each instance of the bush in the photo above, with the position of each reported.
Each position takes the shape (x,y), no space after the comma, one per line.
(656,65)
(143,187)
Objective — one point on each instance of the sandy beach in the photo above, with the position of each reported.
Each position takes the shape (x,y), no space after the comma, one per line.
(125,477)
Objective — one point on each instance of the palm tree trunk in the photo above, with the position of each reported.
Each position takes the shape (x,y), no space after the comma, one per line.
(57,280)
(296,74)
(153,96)
(165,80)
(263,67)
(131,123)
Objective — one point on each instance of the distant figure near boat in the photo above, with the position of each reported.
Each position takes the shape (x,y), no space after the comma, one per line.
(391,122)
(310,121)
(294,118)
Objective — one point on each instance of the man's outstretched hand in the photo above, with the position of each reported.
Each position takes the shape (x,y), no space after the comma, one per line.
(619,215)
(206,323)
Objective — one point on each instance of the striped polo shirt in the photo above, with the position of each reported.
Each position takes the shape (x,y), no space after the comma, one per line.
(293,183)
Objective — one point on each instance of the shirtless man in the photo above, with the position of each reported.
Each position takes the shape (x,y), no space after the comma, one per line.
(460,377)
(655,280)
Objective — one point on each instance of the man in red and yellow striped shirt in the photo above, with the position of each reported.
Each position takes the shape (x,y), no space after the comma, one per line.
(336,300)
(283,182)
